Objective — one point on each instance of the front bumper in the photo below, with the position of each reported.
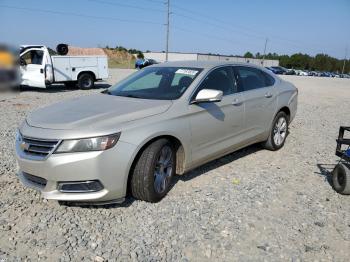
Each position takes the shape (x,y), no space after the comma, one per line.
(110,168)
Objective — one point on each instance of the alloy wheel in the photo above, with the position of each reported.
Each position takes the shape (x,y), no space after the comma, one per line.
(163,169)
(280,131)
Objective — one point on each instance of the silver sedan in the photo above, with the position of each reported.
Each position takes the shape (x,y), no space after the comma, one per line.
(163,120)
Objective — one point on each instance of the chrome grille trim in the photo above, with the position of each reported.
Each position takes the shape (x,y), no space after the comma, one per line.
(37,148)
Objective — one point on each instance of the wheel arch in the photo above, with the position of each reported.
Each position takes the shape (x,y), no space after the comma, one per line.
(87,72)
(286,110)
(180,155)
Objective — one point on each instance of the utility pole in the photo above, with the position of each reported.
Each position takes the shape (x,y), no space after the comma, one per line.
(346,52)
(167,30)
(264,51)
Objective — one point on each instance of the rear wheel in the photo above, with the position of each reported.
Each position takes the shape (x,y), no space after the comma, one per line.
(86,81)
(341,179)
(278,132)
(153,171)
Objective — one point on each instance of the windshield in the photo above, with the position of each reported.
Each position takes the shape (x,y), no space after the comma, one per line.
(164,83)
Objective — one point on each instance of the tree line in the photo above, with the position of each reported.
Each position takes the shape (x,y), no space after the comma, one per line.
(130,50)
(319,62)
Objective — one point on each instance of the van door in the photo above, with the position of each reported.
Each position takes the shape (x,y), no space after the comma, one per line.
(33,68)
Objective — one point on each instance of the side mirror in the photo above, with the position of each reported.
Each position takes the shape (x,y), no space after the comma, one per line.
(22,62)
(208,95)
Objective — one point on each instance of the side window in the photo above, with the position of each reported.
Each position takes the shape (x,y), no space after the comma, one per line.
(269,80)
(252,78)
(219,79)
(34,57)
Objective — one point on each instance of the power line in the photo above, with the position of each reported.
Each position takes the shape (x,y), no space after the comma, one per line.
(127,5)
(79,15)
(222,26)
(243,28)
(209,36)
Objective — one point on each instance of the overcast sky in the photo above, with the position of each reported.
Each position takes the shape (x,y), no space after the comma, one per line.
(216,26)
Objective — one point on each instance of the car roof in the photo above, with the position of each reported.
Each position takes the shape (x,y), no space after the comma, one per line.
(202,64)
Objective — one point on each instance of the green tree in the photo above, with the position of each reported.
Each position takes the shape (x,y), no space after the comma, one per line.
(248,55)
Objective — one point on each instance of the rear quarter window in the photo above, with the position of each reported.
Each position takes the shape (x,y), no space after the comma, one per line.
(269,80)
(251,78)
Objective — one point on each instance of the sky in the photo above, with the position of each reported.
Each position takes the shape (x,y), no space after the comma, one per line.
(230,27)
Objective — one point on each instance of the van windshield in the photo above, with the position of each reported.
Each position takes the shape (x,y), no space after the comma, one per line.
(163,83)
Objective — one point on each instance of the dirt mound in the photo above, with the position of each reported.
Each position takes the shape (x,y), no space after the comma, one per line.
(72,50)
(118,55)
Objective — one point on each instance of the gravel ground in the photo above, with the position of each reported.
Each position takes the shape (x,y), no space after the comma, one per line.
(250,205)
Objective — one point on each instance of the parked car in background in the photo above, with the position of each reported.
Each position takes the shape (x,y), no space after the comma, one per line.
(303,73)
(290,72)
(163,120)
(279,70)
(141,63)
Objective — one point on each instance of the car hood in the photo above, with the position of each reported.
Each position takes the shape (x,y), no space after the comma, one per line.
(94,111)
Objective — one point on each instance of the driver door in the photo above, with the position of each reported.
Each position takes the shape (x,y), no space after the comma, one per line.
(33,68)
(216,126)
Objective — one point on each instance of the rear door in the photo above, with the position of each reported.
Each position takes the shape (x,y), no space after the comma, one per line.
(216,126)
(260,99)
(33,70)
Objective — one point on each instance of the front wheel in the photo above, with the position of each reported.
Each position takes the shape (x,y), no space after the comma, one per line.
(153,171)
(278,133)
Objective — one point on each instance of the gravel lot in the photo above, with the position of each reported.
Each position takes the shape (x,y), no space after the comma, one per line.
(250,205)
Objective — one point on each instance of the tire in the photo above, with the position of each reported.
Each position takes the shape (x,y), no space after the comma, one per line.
(62,49)
(341,179)
(150,180)
(86,81)
(70,84)
(278,133)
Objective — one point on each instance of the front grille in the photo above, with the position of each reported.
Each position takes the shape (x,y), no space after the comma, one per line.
(35,180)
(39,148)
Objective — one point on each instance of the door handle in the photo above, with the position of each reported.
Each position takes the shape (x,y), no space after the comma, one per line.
(268,95)
(236,102)
(41,71)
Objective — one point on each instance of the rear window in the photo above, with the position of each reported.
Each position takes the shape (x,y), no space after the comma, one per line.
(251,78)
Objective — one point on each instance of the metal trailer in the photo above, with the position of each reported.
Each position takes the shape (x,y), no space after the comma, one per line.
(341,172)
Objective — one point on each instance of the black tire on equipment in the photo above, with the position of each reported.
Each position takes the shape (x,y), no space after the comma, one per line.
(86,81)
(269,144)
(341,179)
(62,49)
(142,175)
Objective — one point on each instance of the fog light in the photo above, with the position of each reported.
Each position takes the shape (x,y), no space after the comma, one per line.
(80,187)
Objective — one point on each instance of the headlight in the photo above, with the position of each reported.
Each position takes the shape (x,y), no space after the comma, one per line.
(88,144)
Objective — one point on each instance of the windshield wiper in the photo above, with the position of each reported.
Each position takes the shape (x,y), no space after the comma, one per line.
(130,95)
(106,91)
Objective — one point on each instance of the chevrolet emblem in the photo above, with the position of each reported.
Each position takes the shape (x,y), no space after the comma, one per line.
(24,146)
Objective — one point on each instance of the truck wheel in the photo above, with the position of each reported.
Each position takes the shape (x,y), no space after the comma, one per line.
(341,179)
(278,133)
(154,169)
(86,81)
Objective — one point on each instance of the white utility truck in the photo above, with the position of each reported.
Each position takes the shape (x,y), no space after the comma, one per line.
(40,69)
